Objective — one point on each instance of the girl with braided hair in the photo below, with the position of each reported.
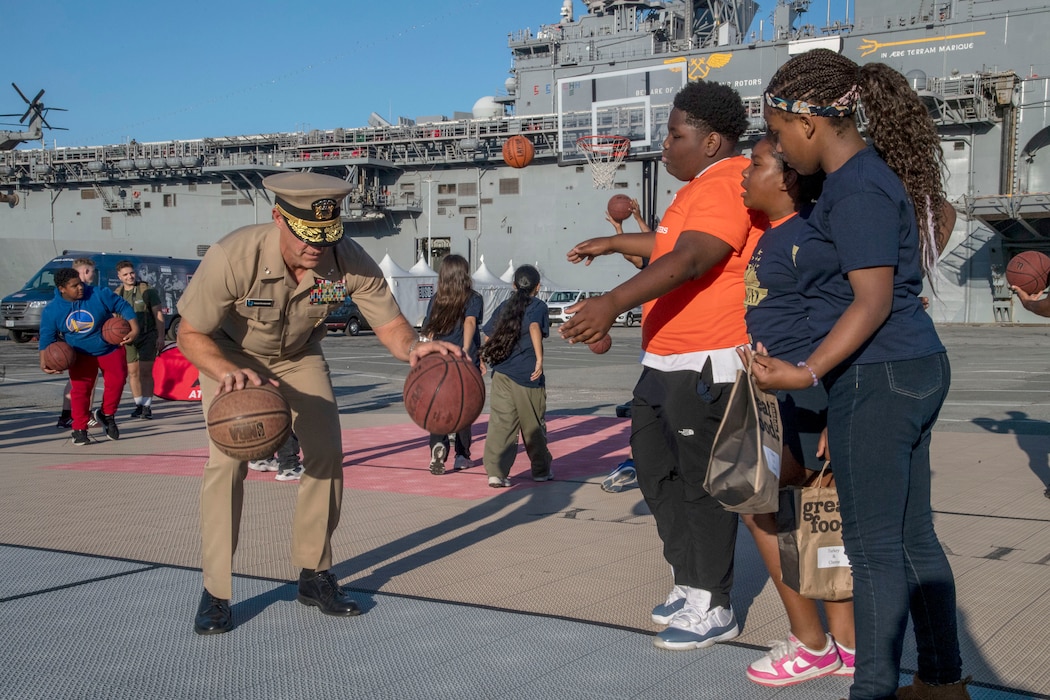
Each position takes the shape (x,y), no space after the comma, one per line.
(518,398)
(860,262)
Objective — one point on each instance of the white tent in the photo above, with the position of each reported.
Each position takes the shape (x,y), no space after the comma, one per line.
(492,289)
(412,292)
(508,276)
(421,269)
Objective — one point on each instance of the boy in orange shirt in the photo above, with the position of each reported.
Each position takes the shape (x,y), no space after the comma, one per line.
(693,292)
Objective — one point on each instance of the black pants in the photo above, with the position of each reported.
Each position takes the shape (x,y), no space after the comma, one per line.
(674,419)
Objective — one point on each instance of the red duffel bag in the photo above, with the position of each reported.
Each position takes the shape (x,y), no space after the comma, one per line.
(174,377)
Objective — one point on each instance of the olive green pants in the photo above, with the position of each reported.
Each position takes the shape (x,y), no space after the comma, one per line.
(515,408)
(306,385)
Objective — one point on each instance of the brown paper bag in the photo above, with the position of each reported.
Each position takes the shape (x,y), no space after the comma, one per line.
(809,534)
(744,470)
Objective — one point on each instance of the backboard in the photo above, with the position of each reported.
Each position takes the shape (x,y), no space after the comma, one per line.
(635,102)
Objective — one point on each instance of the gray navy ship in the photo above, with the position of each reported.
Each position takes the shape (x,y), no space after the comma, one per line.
(428,186)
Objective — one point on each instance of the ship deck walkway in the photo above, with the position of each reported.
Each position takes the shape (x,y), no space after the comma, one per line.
(536,591)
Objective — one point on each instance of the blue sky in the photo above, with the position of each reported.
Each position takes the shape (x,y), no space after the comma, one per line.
(157,71)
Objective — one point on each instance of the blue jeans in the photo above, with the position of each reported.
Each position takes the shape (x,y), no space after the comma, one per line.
(879,421)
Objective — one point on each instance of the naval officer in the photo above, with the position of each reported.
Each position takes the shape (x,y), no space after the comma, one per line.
(254,312)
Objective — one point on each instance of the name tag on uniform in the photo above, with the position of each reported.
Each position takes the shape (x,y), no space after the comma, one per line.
(259,302)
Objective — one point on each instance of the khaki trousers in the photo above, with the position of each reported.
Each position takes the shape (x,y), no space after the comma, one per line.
(515,408)
(306,385)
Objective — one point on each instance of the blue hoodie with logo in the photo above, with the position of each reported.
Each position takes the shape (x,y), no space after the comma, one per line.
(79,322)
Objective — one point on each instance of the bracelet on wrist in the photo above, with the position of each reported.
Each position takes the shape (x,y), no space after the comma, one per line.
(811,372)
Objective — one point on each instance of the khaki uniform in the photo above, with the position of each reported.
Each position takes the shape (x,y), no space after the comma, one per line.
(243,297)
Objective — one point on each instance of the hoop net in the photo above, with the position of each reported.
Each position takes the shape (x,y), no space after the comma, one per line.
(604,153)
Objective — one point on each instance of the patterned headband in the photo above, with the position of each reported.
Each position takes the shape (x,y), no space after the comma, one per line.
(842,107)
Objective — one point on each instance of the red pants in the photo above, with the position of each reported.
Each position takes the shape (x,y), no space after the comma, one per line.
(82,375)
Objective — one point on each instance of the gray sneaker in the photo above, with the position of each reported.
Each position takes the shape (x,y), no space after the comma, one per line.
(290,474)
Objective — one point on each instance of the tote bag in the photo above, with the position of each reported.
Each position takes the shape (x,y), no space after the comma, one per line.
(743,473)
(813,560)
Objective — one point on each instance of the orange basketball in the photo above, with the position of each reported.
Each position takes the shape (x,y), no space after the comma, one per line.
(602,345)
(249,423)
(1028,271)
(59,356)
(518,151)
(114,330)
(619,207)
(443,393)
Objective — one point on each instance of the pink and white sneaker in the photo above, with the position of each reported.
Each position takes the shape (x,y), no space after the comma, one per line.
(847,657)
(789,662)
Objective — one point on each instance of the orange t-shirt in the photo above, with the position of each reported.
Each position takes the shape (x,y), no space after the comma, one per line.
(707,313)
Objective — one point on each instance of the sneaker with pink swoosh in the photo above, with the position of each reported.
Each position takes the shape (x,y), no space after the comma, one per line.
(848,658)
(789,662)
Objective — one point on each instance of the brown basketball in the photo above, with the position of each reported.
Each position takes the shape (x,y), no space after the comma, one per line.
(619,207)
(114,330)
(602,345)
(444,394)
(249,423)
(518,151)
(59,356)
(1028,271)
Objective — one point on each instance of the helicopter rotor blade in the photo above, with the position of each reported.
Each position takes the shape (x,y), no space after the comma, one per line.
(20,93)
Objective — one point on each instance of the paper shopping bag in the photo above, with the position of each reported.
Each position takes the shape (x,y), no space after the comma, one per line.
(813,560)
(743,473)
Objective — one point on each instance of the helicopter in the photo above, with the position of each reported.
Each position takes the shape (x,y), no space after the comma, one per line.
(36,113)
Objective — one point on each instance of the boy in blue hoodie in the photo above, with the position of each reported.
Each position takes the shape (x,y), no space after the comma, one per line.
(76,315)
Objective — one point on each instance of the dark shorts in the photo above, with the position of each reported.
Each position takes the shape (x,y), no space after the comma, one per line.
(804,413)
(144,349)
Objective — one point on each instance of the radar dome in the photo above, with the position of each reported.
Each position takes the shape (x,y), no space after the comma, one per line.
(917,80)
(487,108)
(511,85)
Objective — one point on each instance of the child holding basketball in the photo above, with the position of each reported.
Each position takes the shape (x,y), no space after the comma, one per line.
(454,315)
(860,260)
(518,398)
(76,315)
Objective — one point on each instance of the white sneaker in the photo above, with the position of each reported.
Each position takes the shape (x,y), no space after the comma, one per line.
(498,482)
(663,613)
(698,625)
(264,465)
(292,474)
(462,463)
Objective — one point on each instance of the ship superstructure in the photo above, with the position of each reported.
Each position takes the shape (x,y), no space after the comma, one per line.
(427,187)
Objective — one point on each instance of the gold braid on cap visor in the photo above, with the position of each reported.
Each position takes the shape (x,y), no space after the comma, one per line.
(319,233)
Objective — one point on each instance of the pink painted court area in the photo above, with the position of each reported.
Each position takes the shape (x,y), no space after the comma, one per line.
(396,459)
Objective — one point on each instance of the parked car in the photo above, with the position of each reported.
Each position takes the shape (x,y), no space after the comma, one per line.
(563,299)
(347,318)
(629,318)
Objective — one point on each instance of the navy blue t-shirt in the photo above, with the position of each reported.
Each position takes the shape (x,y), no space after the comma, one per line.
(864,219)
(521,362)
(475,307)
(772,306)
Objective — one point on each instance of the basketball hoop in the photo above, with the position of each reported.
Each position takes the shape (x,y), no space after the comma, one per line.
(604,153)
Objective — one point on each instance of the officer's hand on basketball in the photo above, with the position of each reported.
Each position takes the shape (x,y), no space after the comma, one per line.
(239,378)
(590,249)
(420,349)
(591,319)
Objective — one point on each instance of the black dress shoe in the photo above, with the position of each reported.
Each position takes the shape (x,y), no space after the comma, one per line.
(321,588)
(213,615)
